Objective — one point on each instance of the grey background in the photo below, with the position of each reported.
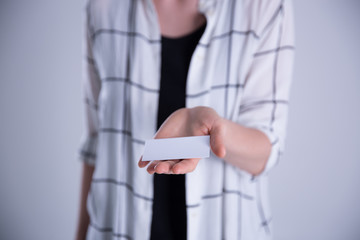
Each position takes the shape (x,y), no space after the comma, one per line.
(315,189)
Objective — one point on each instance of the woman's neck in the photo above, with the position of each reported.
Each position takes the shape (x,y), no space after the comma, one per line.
(178,17)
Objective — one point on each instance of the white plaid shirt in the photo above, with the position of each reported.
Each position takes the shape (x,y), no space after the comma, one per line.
(241,67)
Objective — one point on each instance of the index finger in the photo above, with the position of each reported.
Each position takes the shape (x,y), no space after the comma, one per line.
(142,163)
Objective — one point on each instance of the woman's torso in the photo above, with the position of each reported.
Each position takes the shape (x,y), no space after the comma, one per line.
(126,45)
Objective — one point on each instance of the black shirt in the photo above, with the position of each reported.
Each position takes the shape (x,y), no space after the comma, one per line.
(169,207)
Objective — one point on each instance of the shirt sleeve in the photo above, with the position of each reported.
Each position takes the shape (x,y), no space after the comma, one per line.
(265,98)
(91,85)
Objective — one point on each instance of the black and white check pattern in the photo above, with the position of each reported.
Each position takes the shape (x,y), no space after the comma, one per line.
(242,68)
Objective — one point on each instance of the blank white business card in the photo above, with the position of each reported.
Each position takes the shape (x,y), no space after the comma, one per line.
(177,148)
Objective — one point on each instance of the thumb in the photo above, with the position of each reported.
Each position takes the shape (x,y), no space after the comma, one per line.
(217,137)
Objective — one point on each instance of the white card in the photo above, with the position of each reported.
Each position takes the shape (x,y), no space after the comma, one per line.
(177,148)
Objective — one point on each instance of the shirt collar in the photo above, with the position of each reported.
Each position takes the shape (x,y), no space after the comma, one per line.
(207,5)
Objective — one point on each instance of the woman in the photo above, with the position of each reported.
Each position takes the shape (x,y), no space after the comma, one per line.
(217,67)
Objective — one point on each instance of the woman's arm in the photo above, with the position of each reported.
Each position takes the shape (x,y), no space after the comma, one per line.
(83,221)
(91,90)
(246,148)
(255,141)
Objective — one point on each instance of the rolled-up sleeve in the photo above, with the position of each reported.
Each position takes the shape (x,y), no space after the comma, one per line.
(265,100)
(91,85)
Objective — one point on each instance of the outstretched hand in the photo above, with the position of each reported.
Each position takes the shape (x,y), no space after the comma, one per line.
(188,122)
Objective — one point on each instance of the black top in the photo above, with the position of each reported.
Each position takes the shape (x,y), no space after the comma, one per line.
(169,207)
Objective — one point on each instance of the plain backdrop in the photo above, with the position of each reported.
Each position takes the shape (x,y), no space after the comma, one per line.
(315,189)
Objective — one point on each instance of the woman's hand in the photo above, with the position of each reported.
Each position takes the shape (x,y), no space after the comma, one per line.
(188,122)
